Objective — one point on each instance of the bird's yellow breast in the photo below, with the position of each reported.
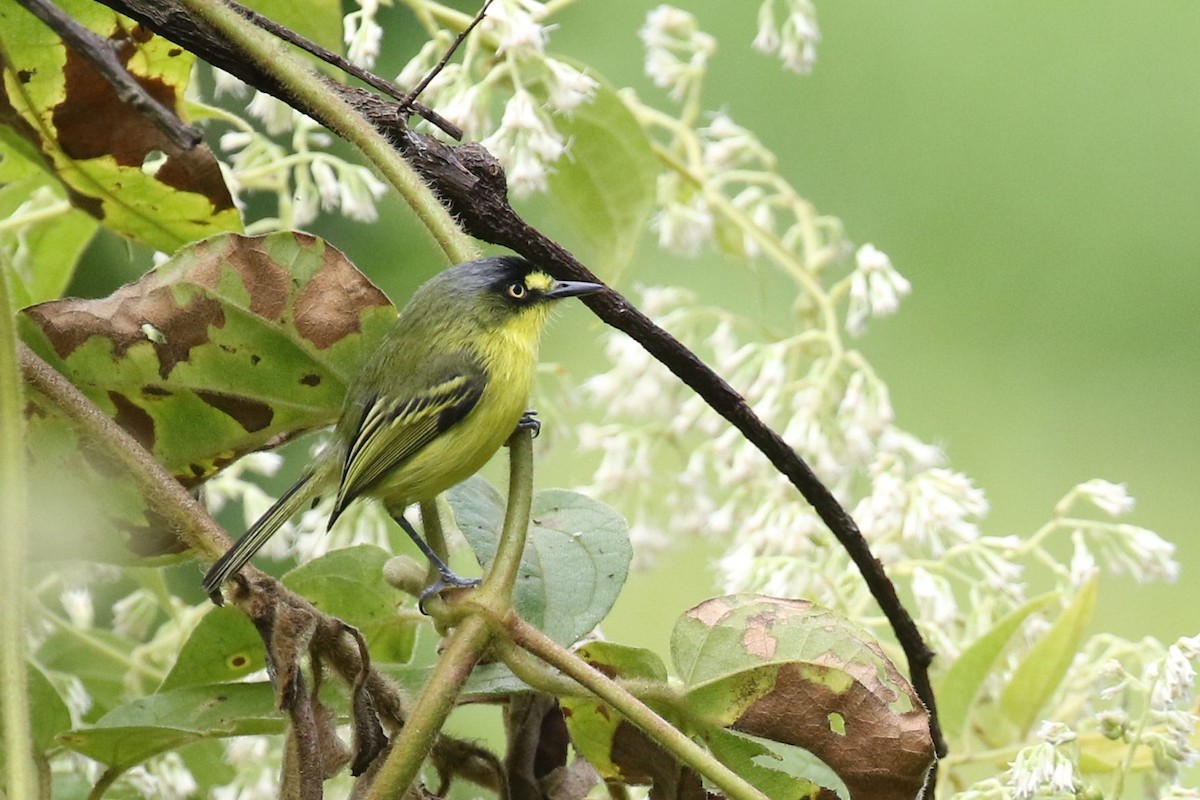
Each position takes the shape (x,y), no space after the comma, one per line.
(509,356)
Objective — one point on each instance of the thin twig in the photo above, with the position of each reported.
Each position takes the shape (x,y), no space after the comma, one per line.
(370,78)
(409,99)
(98,51)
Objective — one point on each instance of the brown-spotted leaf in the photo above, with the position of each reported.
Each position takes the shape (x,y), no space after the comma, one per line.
(115,163)
(235,345)
(792,672)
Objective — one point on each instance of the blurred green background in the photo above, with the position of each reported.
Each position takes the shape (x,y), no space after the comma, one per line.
(1034,169)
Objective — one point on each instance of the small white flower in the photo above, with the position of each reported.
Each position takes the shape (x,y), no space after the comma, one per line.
(277,116)
(327,183)
(677,51)
(77,603)
(1141,552)
(163,778)
(363,36)
(359,191)
(1083,564)
(468,109)
(526,142)
(134,614)
(685,222)
(875,288)
(1039,770)
(78,699)
(515,23)
(567,88)
(1055,732)
(1111,498)
(795,40)
(1175,679)
(224,83)
(767,38)
(935,599)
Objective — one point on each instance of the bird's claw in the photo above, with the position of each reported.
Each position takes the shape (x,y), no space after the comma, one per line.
(446,580)
(530,422)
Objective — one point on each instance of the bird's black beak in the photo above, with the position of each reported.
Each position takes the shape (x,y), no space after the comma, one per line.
(563,289)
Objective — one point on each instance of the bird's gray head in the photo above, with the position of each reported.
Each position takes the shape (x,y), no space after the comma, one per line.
(501,286)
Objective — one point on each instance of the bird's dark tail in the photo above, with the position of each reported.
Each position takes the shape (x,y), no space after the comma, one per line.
(262,530)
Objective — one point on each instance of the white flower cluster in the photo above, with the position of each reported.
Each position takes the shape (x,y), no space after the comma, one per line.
(677,51)
(505,63)
(304,177)
(795,39)
(362,34)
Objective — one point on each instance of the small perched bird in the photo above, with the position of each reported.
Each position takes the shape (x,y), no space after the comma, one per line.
(448,386)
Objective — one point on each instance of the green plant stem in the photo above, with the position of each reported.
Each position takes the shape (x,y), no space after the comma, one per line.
(498,584)
(14,525)
(657,728)
(424,723)
(184,515)
(292,72)
(106,780)
(470,637)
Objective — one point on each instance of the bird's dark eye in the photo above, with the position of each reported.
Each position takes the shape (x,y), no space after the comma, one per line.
(517,291)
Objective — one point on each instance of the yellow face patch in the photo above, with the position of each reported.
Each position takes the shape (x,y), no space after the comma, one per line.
(539,282)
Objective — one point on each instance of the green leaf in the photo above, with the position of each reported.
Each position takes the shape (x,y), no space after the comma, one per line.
(99,659)
(604,188)
(319,20)
(349,585)
(1046,663)
(124,172)
(131,733)
(43,253)
(49,713)
(780,771)
(224,646)
(750,662)
(487,682)
(575,561)
(234,345)
(956,690)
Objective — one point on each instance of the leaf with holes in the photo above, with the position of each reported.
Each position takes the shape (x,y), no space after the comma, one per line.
(792,672)
(235,345)
(115,163)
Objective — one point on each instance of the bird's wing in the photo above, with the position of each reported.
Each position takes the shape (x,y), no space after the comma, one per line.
(393,429)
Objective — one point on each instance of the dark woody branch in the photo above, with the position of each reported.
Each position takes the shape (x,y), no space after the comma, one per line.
(471,183)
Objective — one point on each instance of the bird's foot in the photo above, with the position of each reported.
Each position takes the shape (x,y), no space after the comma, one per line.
(530,422)
(446,580)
